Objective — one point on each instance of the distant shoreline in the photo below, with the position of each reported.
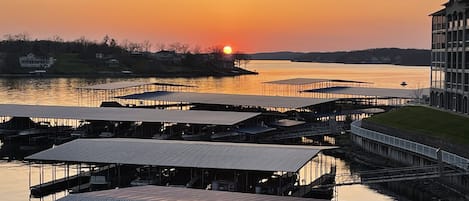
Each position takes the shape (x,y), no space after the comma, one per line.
(323,62)
(391,56)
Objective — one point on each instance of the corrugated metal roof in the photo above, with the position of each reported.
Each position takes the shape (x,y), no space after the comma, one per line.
(298,81)
(161,193)
(229,99)
(287,123)
(237,156)
(128,84)
(305,81)
(379,92)
(115,85)
(126,114)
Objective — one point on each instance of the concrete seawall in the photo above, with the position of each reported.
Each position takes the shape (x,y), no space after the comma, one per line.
(411,152)
(436,142)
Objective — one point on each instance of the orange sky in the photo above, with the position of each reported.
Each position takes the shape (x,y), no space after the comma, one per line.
(248,25)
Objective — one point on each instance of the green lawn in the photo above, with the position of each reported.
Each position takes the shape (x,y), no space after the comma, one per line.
(428,121)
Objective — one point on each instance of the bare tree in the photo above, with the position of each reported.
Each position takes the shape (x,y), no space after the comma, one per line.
(146,46)
(125,44)
(113,43)
(106,40)
(17,37)
(83,41)
(23,36)
(175,46)
(216,50)
(161,46)
(135,47)
(8,37)
(57,38)
(184,48)
(418,92)
(196,49)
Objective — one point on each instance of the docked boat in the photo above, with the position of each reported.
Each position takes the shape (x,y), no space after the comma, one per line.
(15,125)
(196,137)
(106,134)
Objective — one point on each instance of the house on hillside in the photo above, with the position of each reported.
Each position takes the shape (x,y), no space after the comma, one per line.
(32,61)
(168,57)
(112,62)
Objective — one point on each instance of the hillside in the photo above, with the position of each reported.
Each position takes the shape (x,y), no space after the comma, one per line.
(396,56)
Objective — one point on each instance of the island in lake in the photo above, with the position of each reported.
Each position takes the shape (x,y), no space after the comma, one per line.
(21,57)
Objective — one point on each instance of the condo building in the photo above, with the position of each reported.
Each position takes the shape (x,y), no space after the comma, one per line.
(450,57)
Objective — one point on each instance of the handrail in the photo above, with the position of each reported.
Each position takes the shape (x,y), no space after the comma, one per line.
(425,150)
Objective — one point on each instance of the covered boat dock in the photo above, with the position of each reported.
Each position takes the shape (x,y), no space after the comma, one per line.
(295,86)
(21,123)
(377,92)
(261,168)
(125,114)
(388,96)
(159,193)
(230,99)
(93,95)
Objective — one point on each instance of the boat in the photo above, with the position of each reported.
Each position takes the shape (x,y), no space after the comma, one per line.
(106,134)
(227,136)
(196,137)
(143,182)
(146,176)
(44,128)
(15,125)
(161,136)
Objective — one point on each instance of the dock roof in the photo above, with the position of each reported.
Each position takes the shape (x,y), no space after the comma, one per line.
(162,193)
(229,99)
(378,92)
(128,84)
(126,114)
(305,81)
(169,153)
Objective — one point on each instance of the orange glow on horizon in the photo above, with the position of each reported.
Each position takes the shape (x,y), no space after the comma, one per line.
(253,25)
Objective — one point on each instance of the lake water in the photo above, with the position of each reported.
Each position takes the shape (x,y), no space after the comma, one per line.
(14,175)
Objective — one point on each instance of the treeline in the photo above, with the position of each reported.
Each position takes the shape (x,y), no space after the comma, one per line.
(134,56)
(407,57)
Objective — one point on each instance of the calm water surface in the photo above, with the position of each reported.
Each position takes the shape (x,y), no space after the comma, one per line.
(14,176)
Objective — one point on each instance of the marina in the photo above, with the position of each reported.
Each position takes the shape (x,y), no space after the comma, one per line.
(120,162)
(266,120)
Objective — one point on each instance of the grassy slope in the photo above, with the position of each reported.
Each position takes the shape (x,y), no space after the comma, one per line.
(427,121)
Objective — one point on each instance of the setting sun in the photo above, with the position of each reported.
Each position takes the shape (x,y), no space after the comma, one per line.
(227,49)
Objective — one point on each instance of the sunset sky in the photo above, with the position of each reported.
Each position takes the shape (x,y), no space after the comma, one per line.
(247,25)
